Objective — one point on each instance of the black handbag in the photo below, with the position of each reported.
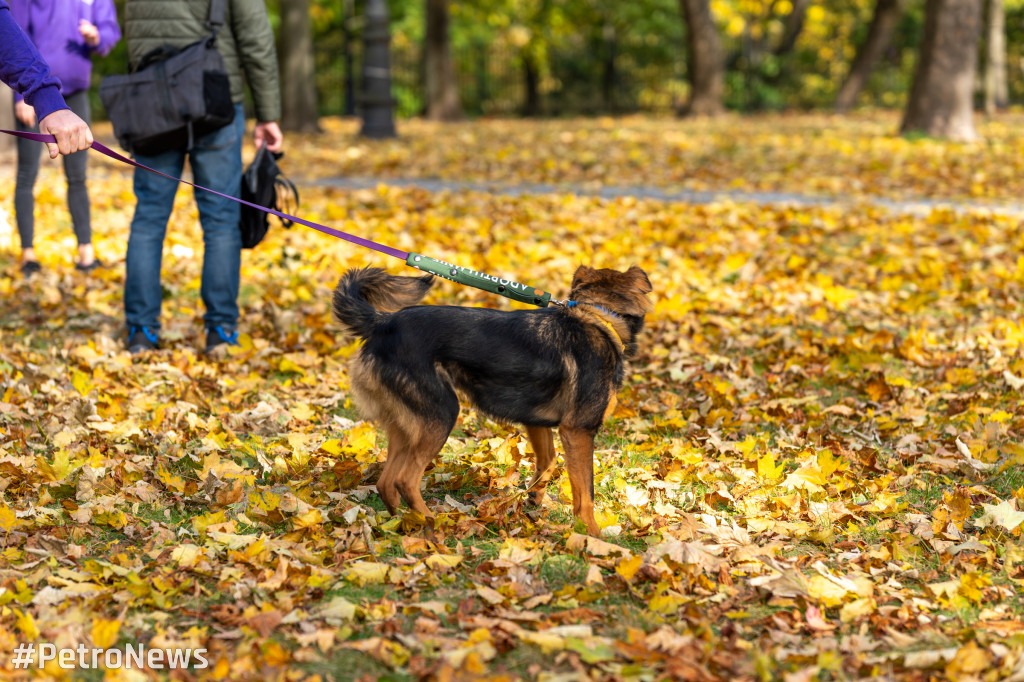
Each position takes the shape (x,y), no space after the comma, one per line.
(172,96)
(264,184)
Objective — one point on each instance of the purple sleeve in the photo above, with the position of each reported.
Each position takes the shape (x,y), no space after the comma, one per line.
(24,69)
(104,16)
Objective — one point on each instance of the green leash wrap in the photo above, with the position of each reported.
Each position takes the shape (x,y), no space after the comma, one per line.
(503,287)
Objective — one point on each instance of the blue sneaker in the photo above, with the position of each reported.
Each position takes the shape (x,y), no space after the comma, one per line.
(219,338)
(141,339)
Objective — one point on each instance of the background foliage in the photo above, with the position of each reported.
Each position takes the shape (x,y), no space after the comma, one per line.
(574,39)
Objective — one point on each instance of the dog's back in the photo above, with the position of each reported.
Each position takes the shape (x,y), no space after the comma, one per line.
(365,297)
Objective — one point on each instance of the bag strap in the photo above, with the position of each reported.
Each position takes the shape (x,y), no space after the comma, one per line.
(216,18)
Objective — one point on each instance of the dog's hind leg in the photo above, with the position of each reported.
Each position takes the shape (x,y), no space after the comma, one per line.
(418,456)
(398,446)
(579,461)
(426,442)
(543,442)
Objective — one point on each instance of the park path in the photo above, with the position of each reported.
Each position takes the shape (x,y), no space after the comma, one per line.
(917,206)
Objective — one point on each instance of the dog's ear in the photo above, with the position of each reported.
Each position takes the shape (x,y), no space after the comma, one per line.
(583,275)
(639,279)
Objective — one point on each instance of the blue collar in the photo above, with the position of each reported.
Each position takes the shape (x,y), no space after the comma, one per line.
(572,304)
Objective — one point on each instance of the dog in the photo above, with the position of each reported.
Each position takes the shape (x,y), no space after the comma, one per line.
(557,367)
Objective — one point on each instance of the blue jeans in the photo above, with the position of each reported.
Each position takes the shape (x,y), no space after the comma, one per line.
(216,161)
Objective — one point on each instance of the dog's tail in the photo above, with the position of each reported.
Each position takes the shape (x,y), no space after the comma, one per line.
(365,297)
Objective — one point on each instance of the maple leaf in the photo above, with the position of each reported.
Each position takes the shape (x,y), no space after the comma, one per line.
(1004,515)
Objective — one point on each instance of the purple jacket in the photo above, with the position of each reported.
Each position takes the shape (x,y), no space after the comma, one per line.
(23,68)
(53,27)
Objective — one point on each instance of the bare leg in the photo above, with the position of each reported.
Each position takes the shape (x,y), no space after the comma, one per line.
(579,461)
(543,442)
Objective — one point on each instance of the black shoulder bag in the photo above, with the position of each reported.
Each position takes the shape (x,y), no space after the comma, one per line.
(264,184)
(173,95)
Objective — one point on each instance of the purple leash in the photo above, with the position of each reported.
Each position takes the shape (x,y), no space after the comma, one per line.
(456,273)
(106,151)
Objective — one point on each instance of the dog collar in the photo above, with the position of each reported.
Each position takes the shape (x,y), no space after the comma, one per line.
(606,323)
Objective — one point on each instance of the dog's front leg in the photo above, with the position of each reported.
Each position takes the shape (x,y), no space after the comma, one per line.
(543,443)
(579,461)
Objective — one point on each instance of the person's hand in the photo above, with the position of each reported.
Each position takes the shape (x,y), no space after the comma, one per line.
(25,112)
(270,133)
(72,133)
(90,34)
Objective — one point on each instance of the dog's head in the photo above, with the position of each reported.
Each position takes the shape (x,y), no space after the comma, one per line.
(623,293)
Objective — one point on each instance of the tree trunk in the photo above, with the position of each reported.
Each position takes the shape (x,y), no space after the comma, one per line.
(941,98)
(794,27)
(706,66)
(883,25)
(996,91)
(609,75)
(532,105)
(298,72)
(443,103)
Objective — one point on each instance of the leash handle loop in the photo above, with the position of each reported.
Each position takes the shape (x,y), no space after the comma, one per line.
(473,278)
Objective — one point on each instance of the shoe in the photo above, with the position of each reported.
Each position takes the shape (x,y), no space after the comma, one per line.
(30,267)
(90,267)
(219,338)
(141,339)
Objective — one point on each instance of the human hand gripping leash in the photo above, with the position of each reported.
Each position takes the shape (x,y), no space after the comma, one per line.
(456,273)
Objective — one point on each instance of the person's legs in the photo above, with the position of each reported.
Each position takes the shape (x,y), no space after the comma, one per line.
(75,170)
(216,163)
(24,184)
(155,200)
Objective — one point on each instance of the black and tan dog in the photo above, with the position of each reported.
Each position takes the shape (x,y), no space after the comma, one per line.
(551,367)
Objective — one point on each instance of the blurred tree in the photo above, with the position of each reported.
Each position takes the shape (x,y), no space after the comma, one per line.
(704,60)
(298,75)
(883,23)
(442,89)
(997,93)
(378,104)
(942,95)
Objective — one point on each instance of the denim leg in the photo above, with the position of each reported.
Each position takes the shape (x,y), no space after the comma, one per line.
(155,200)
(216,161)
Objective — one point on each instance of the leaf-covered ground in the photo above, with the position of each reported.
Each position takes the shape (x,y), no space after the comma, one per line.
(814,471)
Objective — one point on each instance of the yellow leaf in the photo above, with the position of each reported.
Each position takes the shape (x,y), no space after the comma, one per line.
(303,412)
(767,469)
(311,518)
(332,446)
(361,441)
(81,381)
(666,602)
(289,366)
(367,573)
(443,561)
(104,633)
(8,519)
(628,567)
(27,625)
(172,482)
(201,523)
(972,584)
(857,609)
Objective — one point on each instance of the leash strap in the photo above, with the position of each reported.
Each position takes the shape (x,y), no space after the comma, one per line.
(455,273)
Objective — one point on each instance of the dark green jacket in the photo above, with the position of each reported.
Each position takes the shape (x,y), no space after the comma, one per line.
(246,42)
